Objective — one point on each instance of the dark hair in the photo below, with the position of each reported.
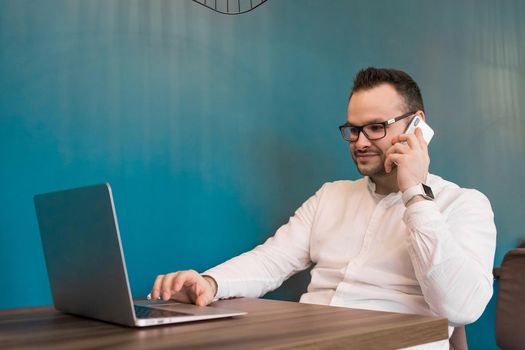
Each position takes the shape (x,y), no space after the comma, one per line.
(403,83)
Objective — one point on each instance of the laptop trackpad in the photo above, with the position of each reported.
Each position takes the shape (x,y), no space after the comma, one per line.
(179,307)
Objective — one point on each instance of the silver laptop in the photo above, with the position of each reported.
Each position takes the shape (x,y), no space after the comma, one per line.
(86,267)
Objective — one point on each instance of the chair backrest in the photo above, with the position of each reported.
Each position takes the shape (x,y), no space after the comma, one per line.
(510,307)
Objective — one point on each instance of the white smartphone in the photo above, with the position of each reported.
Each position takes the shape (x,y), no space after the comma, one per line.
(418,122)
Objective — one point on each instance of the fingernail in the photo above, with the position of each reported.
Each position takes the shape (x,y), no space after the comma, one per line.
(165,295)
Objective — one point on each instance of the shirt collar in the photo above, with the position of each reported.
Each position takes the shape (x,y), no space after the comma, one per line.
(388,199)
(394,197)
(370,184)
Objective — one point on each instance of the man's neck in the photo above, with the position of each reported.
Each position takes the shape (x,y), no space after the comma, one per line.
(386,184)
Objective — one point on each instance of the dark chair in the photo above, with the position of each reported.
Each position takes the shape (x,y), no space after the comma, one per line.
(510,306)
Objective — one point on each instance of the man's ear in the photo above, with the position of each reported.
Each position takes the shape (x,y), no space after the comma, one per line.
(421,114)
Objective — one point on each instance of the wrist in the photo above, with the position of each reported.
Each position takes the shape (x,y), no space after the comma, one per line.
(213,284)
(417,193)
(414,199)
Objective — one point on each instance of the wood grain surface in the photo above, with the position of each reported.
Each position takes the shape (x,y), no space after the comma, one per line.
(269,324)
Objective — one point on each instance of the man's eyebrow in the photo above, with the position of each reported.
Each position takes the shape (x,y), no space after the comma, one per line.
(376,120)
(373,121)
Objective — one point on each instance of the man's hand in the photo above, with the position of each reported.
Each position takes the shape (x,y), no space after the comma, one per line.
(410,153)
(186,287)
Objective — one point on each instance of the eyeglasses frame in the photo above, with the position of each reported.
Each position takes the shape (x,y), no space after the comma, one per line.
(385,124)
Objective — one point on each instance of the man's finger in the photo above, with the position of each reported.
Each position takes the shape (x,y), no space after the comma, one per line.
(204,295)
(392,159)
(421,138)
(410,139)
(166,285)
(184,279)
(155,291)
(203,300)
(397,148)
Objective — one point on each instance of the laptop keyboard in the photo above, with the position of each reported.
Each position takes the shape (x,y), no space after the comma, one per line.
(147,312)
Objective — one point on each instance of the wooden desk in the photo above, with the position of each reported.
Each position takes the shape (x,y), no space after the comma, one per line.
(269,324)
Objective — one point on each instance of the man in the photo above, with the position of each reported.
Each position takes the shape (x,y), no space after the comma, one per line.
(399,239)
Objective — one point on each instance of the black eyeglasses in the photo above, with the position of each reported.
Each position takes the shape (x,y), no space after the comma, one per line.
(373,131)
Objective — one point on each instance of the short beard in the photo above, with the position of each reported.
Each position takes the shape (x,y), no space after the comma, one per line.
(378,171)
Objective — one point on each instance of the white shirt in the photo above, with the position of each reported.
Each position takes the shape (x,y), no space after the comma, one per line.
(371,252)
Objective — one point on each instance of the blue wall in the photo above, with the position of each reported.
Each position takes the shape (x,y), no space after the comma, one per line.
(213,129)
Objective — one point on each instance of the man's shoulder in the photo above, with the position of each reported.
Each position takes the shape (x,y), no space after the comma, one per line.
(453,192)
(438,183)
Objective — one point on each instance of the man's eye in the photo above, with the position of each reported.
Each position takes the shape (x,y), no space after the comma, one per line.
(375,128)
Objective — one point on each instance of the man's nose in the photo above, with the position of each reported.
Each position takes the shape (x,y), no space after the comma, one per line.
(362,141)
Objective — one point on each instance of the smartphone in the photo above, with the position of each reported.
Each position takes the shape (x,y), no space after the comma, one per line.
(418,122)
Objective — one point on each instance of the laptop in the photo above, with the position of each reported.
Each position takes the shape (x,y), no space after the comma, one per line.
(86,267)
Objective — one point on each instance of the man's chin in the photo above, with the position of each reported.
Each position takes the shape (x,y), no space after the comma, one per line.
(371,172)
(370,167)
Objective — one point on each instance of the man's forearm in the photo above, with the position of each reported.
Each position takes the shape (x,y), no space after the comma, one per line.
(452,255)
